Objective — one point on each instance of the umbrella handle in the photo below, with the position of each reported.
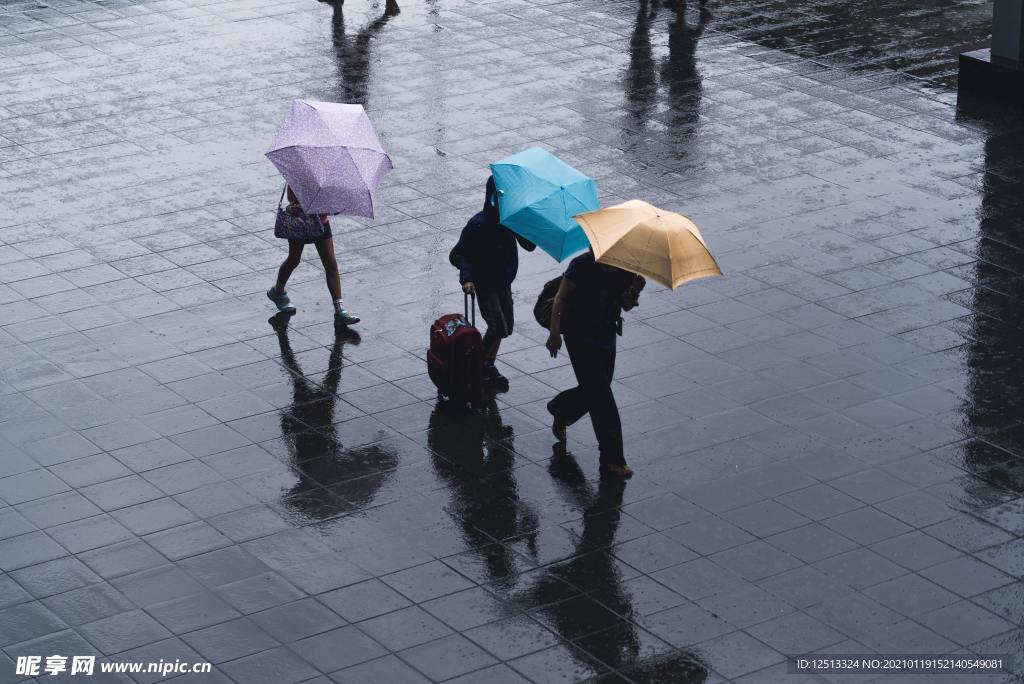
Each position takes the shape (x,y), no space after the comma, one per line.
(280,200)
(466,297)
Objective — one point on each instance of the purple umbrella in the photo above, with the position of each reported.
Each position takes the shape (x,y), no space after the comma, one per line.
(331,158)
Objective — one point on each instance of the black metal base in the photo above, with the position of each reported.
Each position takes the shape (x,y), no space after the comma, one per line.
(981,75)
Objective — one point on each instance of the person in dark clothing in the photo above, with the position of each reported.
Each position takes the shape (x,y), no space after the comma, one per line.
(487,256)
(588,311)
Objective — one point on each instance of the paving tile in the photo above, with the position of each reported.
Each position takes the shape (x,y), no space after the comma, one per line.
(122,558)
(915,550)
(803,587)
(425,582)
(854,615)
(11,593)
(866,525)
(121,632)
(49,511)
(276,665)
(709,534)
(745,607)
(469,608)
(911,594)
(1008,557)
(1002,601)
(230,640)
(448,657)
(27,621)
(153,516)
(30,485)
(859,568)
(652,552)
(557,664)
(698,578)
(186,540)
(496,674)
(513,637)
(795,631)
(338,649)
(54,577)
(765,518)
(686,625)
(662,512)
(738,654)
(386,669)
(966,575)
(811,543)
(363,600)
(28,549)
(89,533)
(965,623)
(819,501)
(404,628)
(88,604)
(755,560)
(293,621)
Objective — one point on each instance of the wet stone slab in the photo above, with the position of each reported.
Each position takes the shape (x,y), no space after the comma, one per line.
(828,441)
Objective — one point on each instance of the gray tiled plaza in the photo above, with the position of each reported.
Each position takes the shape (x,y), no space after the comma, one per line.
(829,441)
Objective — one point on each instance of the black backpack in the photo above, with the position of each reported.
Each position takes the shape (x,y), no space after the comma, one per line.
(545,302)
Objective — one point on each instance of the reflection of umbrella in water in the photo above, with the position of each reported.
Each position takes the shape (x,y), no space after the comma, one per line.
(641,238)
(324,467)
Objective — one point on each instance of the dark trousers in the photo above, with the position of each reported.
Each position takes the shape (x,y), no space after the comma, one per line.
(594,368)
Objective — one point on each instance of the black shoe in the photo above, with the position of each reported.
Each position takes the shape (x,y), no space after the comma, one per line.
(279,321)
(623,471)
(495,378)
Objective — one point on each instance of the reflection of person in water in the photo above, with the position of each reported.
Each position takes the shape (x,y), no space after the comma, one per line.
(473,453)
(312,439)
(353,54)
(679,73)
(592,568)
(641,85)
(996,345)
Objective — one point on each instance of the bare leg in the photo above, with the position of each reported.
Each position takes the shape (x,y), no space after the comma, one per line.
(325,248)
(491,346)
(290,263)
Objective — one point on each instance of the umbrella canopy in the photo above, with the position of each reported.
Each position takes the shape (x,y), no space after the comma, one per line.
(538,194)
(331,158)
(639,237)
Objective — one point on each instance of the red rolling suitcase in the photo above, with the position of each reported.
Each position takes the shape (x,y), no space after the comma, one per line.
(455,360)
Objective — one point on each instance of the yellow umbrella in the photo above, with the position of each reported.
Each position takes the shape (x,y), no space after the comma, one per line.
(639,237)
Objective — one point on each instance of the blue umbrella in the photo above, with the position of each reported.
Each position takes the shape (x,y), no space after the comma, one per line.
(538,194)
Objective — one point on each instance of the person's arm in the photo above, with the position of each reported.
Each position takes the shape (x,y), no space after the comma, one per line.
(558,309)
(294,207)
(524,243)
(461,252)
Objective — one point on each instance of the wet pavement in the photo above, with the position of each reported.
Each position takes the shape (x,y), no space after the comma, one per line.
(828,441)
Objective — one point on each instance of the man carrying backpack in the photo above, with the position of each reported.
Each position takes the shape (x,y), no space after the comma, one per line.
(587,310)
(487,256)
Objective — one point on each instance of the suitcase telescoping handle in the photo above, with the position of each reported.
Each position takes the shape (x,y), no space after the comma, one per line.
(466,298)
